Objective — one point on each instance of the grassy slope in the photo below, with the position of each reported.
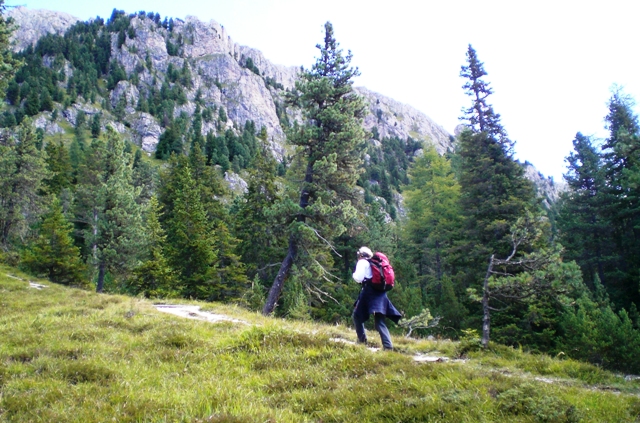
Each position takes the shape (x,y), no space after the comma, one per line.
(75,356)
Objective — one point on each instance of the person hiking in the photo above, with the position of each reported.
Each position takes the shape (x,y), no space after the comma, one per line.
(371,301)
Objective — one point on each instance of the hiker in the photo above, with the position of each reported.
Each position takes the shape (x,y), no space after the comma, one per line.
(371,301)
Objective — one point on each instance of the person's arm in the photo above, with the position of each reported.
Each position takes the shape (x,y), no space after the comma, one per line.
(360,273)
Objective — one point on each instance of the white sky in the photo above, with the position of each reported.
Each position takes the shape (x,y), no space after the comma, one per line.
(550,63)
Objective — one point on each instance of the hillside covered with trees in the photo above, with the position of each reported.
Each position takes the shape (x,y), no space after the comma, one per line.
(268,212)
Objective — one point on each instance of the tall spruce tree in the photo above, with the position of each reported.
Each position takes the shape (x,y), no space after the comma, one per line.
(8,64)
(191,240)
(480,116)
(52,253)
(231,279)
(59,164)
(154,277)
(494,191)
(621,153)
(261,243)
(330,143)
(583,230)
(22,171)
(107,208)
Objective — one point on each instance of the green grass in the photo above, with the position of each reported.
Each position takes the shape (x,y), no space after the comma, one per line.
(68,355)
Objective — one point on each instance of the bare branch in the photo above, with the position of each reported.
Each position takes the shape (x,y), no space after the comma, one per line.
(325,241)
(269,265)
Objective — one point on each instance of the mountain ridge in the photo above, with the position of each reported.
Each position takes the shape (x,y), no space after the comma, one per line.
(208,42)
(225,74)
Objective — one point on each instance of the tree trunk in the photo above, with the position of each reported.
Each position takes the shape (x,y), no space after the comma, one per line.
(438,262)
(278,283)
(100,284)
(486,312)
(292,251)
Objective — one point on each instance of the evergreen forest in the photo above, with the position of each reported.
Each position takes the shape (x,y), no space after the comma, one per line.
(472,242)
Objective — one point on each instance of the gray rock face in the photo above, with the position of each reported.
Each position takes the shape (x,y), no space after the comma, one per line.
(34,23)
(547,188)
(49,127)
(236,183)
(147,130)
(394,119)
(129,92)
(71,113)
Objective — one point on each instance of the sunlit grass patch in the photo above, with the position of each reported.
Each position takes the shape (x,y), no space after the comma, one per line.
(68,355)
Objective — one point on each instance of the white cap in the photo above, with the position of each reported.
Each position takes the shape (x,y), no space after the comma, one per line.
(365,251)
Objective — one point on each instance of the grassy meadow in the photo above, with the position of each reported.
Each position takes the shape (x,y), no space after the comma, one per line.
(69,355)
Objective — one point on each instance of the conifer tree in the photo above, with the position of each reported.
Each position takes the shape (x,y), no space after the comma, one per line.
(231,279)
(59,164)
(260,240)
(494,191)
(8,64)
(433,214)
(621,154)
(154,277)
(480,116)
(190,237)
(145,177)
(330,142)
(95,125)
(22,171)
(52,253)
(583,230)
(107,209)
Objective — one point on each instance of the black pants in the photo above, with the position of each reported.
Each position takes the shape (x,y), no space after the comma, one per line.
(380,326)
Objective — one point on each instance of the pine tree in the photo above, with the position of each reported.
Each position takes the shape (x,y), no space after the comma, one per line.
(190,237)
(53,254)
(107,209)
(95,125)
(32,105)
(621,153)
(59,164)
(494,191)
(261,241)
(583,230)
(145,177)
(154,277)
(121,227)
(22,171)
(8,64)
(231,279)
(433,215)
(330,144)
(46,102)
(480,116)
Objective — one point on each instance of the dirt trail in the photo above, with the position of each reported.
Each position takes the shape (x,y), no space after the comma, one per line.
(194,312)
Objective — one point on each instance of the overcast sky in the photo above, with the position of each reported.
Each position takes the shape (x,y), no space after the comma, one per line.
(551,63)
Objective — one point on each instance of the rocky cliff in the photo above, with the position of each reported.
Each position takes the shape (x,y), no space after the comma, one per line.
(224,74)
(34,23)
(547,188)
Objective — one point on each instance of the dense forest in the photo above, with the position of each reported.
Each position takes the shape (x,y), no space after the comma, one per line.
(470,240)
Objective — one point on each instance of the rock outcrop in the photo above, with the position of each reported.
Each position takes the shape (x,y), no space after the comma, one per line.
(394,119)
(34,23)
(547,188)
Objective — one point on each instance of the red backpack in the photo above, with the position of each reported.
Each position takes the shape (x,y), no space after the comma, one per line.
(383,277)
